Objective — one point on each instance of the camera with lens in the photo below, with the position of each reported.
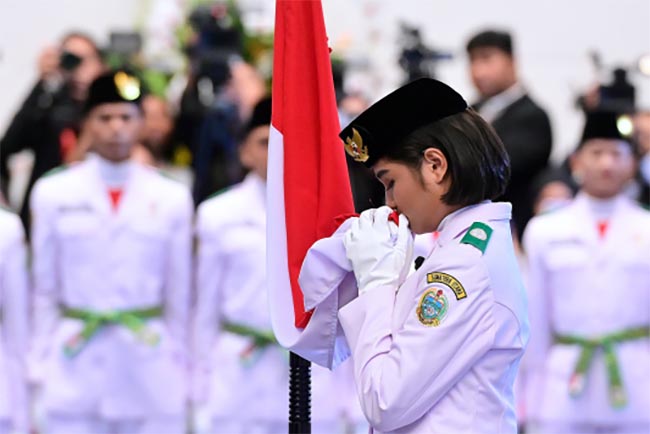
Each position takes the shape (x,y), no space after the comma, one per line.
(218,42)
(619,95)
(417,59)
(69,61)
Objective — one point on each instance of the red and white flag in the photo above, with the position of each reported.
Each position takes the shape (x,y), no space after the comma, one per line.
(308,185)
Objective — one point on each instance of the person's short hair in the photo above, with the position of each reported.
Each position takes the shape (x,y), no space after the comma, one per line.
(478,164)
(491,38)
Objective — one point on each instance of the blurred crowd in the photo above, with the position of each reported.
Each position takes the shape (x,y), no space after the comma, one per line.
(131,302)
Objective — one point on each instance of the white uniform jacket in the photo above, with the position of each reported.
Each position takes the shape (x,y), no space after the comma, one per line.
(14,321)
(583,286)
(440,354)
(89,257)
(233,379)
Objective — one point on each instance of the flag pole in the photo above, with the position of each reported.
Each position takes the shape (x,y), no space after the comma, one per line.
(299,395)
(307,186)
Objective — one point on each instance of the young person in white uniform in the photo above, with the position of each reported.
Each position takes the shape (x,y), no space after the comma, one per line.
(112,280)
(435,350)
(14,322)
(587,368)
(241,373)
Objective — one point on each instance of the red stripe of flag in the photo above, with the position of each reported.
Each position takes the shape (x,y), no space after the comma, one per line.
(316,183)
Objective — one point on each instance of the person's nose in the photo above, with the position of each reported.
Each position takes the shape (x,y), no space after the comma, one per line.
(390,201)
(117,124)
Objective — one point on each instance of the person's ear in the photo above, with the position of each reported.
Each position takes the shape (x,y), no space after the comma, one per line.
(435,163)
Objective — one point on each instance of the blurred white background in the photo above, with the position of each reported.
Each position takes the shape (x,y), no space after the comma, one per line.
(552,41)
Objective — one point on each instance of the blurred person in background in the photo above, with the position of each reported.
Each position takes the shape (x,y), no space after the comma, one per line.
(642,137)
(552,190)
(158,124)
(505,103)
(220,91)
(48,122)
(241,374)
(587,367)
(112,280)
(14,319)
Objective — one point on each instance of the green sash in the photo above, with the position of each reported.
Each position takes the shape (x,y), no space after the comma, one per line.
(134,320)
(261,338)
(607,343)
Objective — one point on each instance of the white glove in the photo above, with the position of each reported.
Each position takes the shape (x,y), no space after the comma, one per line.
(380,251)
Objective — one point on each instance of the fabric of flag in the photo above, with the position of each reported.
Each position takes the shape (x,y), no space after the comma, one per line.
(308,189)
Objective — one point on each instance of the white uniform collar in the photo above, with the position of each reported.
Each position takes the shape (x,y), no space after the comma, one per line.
(114,175)
(494,106)
(599,209)
(257,187)
(459,221)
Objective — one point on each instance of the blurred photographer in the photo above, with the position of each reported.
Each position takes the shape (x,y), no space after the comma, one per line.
(220,92)
(48,120)
(416,59)
(618,95)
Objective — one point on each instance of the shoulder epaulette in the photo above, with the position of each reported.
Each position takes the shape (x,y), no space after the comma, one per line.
(478,235)
(6,208)
(166,175)
(56,170)
(219,192)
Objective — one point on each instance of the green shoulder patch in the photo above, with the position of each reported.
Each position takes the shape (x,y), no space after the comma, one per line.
(168,175)
(478,235)
(219,192)
(6,208)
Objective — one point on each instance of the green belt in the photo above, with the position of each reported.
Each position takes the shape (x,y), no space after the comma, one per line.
(261,338)
(589,346)
(134,320)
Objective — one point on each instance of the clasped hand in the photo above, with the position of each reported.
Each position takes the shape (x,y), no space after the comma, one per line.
(380,251)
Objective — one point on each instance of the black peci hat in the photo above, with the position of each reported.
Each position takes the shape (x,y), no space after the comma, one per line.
(385,124)
(607,125)
(114,86)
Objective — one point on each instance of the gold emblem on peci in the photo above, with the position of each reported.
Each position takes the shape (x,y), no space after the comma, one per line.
(355,148)
(127,85)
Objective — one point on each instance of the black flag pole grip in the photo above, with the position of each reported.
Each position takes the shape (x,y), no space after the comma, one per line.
(299,395)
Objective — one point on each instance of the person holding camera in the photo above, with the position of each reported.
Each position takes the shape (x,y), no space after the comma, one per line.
(48,122)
